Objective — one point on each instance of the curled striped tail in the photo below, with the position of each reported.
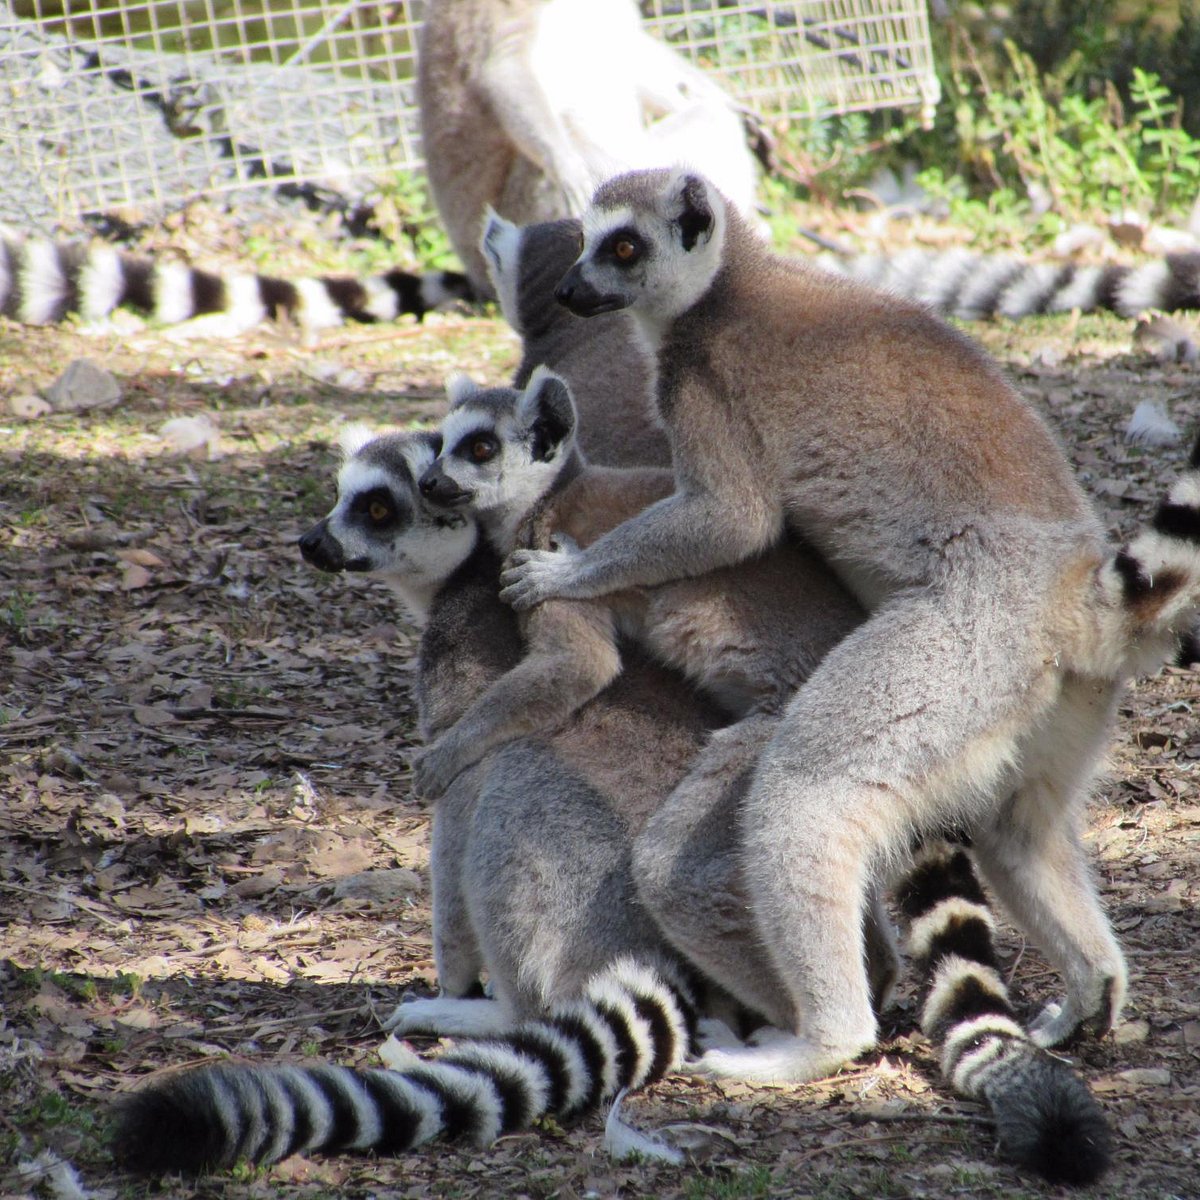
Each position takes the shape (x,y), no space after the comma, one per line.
(631,1026)
(1046,1117)
(1155,578)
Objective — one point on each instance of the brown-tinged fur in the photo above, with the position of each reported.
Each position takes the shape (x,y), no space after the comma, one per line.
(895,446)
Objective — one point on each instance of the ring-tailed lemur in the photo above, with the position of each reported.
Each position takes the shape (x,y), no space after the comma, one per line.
(42,282)
(588,996)
(981,690)
(526,105)
(525,903)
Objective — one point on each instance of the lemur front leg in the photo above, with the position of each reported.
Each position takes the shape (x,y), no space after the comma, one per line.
(572,656)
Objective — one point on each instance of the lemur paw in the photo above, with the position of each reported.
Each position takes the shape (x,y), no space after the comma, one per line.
(531,576)
(434,769)
(448,1016)
(1052,1026)
(784,1058)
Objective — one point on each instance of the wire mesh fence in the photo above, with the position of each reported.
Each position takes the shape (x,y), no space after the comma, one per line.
(143,104)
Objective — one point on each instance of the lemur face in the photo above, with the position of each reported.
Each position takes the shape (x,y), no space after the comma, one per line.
(652,244)
(380,524)
(501,447)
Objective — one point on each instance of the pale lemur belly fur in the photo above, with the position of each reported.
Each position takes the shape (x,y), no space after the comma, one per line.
(526,105)
(979,692)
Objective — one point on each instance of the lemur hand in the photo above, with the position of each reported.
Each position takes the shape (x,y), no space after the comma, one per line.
(531,576)
(435,768)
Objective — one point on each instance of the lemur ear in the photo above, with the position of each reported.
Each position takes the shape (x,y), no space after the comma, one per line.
(548,411)
(353,437)
(497,234)
(459,389)
(694,216)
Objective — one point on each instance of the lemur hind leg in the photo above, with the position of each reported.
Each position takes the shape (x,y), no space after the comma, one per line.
(910,725)
(1032,856)
(688,868)
(455,945)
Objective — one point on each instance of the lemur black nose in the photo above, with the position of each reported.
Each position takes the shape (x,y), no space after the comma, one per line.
(566,287)
(319,549)
(437,486)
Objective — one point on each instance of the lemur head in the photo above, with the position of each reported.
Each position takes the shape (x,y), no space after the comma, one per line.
(502,448)
(380,524)
(652,244)
(525,265)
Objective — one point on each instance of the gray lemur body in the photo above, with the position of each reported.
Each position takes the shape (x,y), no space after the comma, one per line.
(531,876)
(531,881)
(980,691)
(526,105)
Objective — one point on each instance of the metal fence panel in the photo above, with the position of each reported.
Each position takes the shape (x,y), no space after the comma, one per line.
(144,104)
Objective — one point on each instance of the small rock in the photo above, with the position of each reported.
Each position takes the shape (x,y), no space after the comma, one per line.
(1145,1076)
(1131,1031)
(383,885)
(83,385)
(28,408)
(1151,425)
(195,436)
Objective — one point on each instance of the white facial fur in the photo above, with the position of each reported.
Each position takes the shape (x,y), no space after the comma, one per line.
(670,278)
(416,558)
(505,488)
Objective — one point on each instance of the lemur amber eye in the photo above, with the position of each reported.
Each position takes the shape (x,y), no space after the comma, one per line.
(625,250)
(378,511)
(482,449)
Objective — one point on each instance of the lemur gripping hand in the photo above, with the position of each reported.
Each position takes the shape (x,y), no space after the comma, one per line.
(531,576)
(437,766)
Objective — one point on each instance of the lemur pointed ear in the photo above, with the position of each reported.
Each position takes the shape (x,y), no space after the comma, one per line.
(353,437)
(496,232)
(547,409)
(694,206)
(459,389)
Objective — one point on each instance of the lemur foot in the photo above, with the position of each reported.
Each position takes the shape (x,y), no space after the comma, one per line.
(781,1058)
(447,1016)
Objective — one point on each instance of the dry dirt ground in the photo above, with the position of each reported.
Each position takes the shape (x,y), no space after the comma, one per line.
(208,844)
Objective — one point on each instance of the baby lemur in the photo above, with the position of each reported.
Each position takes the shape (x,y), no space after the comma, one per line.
(979,693)
(747,636)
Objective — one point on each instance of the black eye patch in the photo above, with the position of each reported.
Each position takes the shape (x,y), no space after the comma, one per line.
(623,247)
(376,508)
